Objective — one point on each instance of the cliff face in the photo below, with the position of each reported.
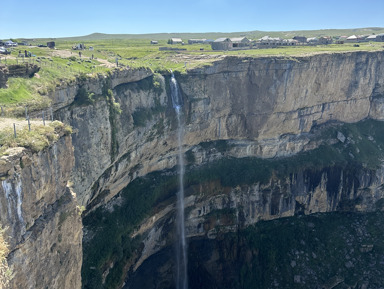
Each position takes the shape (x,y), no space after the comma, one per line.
(262,141)
(264,108)
(269,105)
(44,227)
(247,98)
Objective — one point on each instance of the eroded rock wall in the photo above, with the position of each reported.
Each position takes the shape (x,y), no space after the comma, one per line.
(40,213)
(268,105)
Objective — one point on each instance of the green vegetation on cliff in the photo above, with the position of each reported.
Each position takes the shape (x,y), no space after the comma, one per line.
(336,250)
(64,66)
(37,139)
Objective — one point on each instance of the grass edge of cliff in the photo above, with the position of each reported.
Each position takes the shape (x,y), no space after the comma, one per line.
(38,138)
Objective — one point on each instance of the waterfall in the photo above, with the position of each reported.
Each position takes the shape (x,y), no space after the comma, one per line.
(177,99)
(181,245)
(13,194)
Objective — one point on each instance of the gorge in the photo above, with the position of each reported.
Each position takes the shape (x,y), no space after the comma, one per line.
(283,180)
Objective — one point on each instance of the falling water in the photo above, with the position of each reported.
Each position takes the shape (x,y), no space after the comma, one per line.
(181,246)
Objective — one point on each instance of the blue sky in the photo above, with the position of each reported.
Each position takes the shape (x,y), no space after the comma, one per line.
(47,18)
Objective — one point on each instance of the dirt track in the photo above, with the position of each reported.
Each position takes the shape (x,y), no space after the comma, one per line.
(7,123)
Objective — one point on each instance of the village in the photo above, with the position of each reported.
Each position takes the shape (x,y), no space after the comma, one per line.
(241,43)
(221,44)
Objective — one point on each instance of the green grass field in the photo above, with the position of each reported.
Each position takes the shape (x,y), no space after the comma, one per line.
(64,65)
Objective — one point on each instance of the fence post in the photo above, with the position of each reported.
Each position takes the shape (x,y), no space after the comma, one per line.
(43,118)
(14,130)
(29,124)
(26,112)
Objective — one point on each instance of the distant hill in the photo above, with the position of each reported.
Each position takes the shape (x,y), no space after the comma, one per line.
(214,35)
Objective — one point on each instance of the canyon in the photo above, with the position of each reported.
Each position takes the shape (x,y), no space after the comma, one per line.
(275,147)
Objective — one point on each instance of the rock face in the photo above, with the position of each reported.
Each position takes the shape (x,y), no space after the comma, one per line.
(39,210)
(23,70)
(265,108)
(237,109)
(65,95)
(268,105)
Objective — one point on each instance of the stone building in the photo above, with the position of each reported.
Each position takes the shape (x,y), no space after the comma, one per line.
(300,39)
(352,39)
(195,41)
(325,40)
(270,41)
(380,37)
(371,38)
(313,41)
(222,44)
(240,42)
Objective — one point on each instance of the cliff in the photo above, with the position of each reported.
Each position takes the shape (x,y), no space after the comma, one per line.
(237,108)
(44,228)
(264,139)
(269,105)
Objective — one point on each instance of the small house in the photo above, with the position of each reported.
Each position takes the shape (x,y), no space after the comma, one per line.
(371,38)
(380,37)
(175,41)
(240,42)
(352,38)
(51,44)
(300,39)
(222,44)
(325,40)
(313,40)
(290,42)
(153,42)
(270,41)
(195,41)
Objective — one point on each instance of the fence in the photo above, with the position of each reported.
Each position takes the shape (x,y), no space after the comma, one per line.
(43,115)
(48,62)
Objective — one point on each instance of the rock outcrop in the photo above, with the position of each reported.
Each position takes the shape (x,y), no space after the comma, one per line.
(238,108)
(261,107)
(268,105)
(23,70)
(40,213)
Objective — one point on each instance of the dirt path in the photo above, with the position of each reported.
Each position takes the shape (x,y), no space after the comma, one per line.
(7,123)
(69,53)
(66,54)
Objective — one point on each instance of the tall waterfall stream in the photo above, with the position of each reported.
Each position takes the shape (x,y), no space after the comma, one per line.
(181,245)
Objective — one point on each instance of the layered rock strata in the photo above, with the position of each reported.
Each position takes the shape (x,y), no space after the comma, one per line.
(41,217)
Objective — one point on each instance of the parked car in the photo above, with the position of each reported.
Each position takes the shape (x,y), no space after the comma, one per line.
(4,51)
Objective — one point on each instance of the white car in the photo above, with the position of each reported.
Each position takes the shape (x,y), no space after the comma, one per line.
(4,51)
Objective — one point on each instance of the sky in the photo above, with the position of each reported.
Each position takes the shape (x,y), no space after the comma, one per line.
(53,19)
